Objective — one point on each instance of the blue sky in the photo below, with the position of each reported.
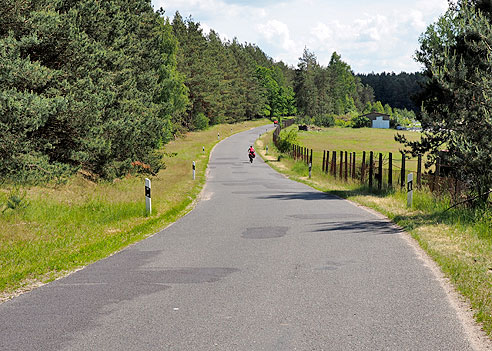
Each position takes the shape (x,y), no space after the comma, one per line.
(370,36)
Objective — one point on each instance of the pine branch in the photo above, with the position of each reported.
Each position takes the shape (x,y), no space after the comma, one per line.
(468,200)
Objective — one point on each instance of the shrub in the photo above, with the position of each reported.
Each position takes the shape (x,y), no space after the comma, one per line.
(361,122)
(324,121)
(342,123)
(200,122)
(287,139)
(16,199)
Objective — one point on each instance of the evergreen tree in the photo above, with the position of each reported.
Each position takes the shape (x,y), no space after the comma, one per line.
(456,52)
(397,90)
(305,87)
(82,86)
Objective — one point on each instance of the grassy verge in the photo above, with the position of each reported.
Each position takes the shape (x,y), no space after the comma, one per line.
(459,240)
(67,227)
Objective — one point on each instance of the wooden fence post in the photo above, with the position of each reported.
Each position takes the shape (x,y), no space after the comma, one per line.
(363,167)
(353,167)
(341,164)
(390,170)
(334,162)
(346,166)
(402,176)
(324,159)
(437,174)
(380,171)
(419,172)
(371,168)
(327,161)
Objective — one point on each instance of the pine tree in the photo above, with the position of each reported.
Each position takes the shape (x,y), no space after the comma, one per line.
(84,86)
(456,52)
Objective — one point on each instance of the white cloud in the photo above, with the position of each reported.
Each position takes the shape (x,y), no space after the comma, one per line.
(322,32)
(277,32)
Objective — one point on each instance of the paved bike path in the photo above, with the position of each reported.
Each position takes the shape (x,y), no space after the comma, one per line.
(261,263)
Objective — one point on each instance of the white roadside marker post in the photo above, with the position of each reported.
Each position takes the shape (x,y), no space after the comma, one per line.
(148,203)
(267,150)
(410,190)
(194,170)
(203,149)
(218,136)
(310,168)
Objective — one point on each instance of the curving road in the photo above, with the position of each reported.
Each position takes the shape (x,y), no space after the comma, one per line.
(261,263)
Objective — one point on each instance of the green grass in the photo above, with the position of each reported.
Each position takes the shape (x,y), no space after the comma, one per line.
(358,140)
(459,240)
(67,227)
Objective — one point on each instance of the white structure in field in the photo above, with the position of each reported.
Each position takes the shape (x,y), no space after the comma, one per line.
(379,120)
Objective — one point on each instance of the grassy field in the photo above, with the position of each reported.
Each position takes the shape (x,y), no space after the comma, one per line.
(459,240)
(65,227)
(358,140)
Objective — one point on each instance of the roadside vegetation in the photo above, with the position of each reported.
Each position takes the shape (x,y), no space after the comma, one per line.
(459,239)
(58,228)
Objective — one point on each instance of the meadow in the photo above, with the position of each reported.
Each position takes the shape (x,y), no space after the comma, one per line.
(59,228)
(459,240)
(358,140)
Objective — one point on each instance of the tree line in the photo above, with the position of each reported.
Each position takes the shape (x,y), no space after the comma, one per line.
(397,90)
(325,92)
(227,81)
(100,87)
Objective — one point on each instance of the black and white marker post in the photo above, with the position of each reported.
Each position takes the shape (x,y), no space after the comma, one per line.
(203,149)
(194,170)
(310,169)
(148,203)
(410,190)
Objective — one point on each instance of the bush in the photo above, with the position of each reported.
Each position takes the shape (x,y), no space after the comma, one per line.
(16,199)
(342,123)
(303,120)
(361,122)
(324,121)
(287,139)
(200,122)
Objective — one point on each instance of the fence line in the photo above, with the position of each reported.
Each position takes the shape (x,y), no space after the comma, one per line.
(376,170)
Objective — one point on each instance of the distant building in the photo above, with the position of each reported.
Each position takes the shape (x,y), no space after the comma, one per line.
(379,120)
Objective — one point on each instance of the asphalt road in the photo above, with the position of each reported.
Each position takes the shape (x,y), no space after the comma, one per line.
(261,263)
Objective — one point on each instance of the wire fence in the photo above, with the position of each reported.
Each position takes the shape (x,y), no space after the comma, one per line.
(376,170)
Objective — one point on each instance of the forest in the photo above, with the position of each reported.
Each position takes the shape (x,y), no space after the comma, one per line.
(397,90)
(99,87)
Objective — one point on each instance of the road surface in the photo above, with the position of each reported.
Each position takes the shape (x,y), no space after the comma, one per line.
(261,263)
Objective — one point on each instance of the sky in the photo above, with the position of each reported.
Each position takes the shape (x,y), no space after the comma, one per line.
(371,36)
